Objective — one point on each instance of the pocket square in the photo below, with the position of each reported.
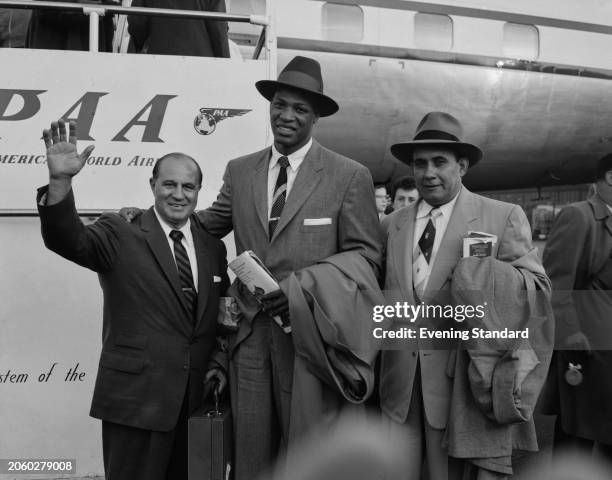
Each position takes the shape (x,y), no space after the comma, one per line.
(216,279)
(317,221)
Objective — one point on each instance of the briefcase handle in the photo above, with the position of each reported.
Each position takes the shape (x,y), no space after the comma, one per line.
(216,394)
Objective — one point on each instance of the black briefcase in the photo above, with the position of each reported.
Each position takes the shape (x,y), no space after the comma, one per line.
(210,443)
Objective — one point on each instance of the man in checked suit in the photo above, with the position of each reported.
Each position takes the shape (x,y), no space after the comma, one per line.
(161,277)
(424,245)
(293,204)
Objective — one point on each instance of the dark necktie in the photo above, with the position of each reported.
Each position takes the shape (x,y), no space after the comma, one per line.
(280,194)
(426,242)
(184,270)
(422,254)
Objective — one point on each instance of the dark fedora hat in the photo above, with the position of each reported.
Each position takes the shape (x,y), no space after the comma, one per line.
(302,74)
(438,129)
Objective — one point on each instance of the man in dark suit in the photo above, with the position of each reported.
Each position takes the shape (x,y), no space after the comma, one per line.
(63,30)
(161,277)
(424,246)
(293,204)
(578,259)
(177,36)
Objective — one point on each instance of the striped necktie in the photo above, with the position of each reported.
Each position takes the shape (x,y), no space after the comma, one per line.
(184,270)
(421,266)
(280,194)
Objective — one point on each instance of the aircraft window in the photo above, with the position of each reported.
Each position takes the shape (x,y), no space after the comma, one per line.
(521,41)
(343,23)
(433,32)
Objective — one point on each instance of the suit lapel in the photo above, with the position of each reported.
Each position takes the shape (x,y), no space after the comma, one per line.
(161,251)
(204,271)
(601,211)
(401,248)
(259,185)
(451,248)
(305,182)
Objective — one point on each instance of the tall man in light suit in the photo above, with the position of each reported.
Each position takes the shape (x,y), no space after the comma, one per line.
(161,277)
(424,245)
(327,207)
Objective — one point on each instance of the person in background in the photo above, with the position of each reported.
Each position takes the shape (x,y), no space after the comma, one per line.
(404,192)
(578,259)
(380,192)
(174,36)
(63,30)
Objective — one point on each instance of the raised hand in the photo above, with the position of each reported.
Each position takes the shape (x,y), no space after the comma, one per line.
(63,160)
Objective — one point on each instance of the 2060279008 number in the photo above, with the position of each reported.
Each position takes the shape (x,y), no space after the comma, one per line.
(37,465)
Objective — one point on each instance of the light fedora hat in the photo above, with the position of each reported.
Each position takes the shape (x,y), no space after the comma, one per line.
(302,74)
(438,129)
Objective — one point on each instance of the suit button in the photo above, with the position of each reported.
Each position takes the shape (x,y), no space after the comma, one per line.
(185,367)
(414,354)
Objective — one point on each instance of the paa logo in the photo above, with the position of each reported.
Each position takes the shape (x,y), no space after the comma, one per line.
(205,122)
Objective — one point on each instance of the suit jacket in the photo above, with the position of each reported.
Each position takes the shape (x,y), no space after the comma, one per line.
(150,346)
(328,186)
(174,36)
(398,367)
(578,258)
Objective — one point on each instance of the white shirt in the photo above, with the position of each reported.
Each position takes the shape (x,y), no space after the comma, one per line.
(440,224)
(295,160)
(186,241)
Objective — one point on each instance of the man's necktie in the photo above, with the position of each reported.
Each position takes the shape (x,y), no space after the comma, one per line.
(184,270)
(280,194)
(421,267)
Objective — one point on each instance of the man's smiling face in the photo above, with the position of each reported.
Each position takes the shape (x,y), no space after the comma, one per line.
(292,117)
(176,189)
(437,174)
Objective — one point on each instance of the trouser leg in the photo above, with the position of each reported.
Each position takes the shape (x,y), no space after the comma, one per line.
(255,424)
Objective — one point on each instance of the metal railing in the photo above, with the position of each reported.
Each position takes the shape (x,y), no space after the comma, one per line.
(95,10)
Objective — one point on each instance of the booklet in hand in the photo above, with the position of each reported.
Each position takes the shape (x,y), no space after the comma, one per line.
(253,273)
(479,244)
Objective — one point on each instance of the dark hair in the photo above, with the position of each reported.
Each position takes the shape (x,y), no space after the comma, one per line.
(159,161)
(380,185)
(405,183)
(603,165)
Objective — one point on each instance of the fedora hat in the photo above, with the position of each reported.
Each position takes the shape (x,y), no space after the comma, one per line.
(302,74)
(441,130)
